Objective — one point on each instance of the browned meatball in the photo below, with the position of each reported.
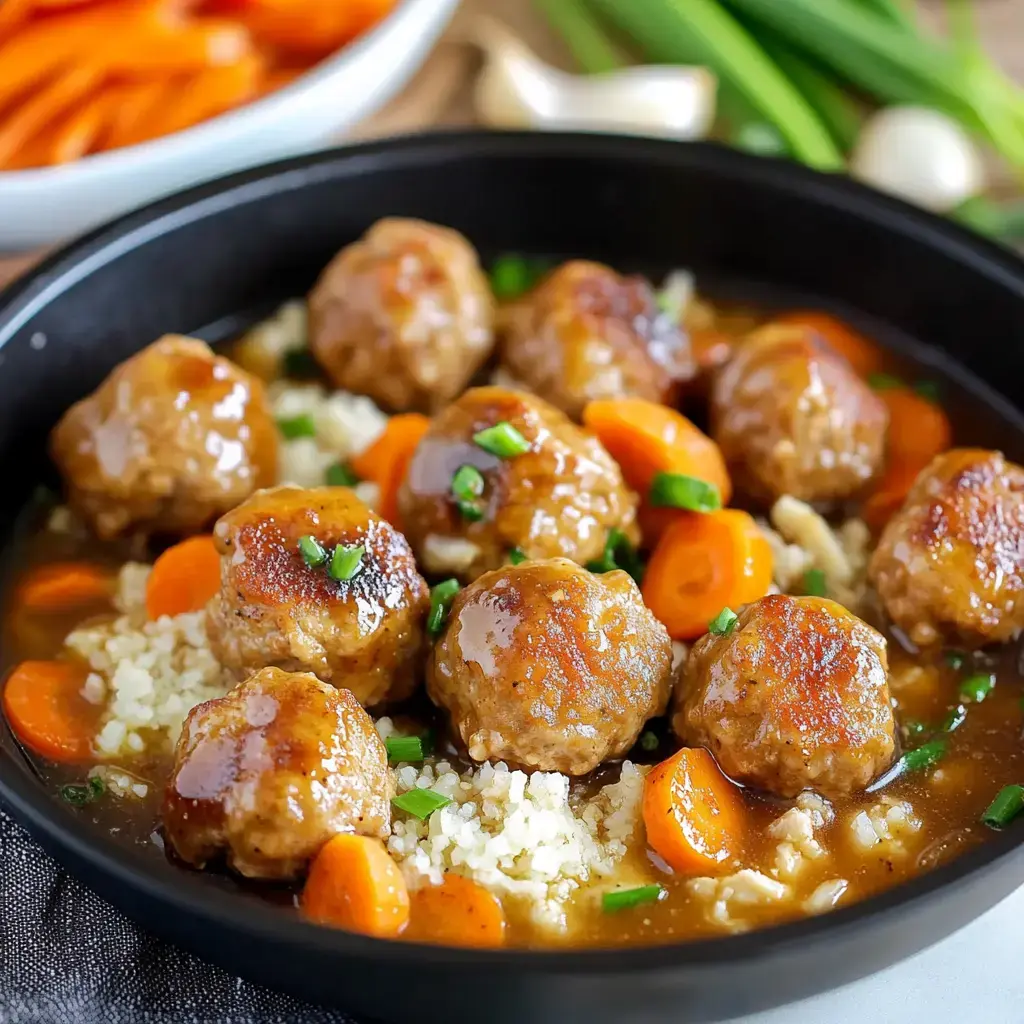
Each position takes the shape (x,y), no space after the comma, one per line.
(560,498)
(795,697)
(404,315)
(273,770)
(364,633)
(792,417)
(586,332)
(950,563)
(547,666)
(173,438)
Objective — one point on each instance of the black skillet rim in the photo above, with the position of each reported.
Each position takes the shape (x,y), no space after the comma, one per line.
(43,814)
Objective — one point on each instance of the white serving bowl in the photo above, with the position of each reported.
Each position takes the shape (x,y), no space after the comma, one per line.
(38,207)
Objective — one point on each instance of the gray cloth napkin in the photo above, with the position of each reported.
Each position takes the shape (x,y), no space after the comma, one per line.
(66,957)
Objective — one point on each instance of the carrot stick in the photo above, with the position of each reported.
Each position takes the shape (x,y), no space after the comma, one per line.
(45,709)
(134,110)
(458,912)
(13,13)
(183,579)
(703,563)
(387,460)
(317,27)
(80,131)
(861,353)
(64,585)
(692,813)
(166,49)
(353,883)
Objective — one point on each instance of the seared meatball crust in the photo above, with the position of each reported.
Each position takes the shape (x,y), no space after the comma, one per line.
(404,315)
(173,438)
(559,499)
(950,562)
(795,697)
(365,634)
(792,417)
(586,332)
(271,771)
(546,666)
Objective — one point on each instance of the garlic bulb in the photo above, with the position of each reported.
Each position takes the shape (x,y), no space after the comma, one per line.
(516,89)
(920,155)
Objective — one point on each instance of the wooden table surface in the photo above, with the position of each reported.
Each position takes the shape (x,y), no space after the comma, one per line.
(440,95)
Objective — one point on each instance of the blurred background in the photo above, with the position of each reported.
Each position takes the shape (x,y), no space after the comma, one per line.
(105,104)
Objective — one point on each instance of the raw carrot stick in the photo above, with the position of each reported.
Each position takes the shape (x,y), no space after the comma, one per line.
(13,14)
(80,131)
(316,27)
(134,109)
(64,585)
(44,707)
(387,460)
(167,49)
(692,813)
(703,563)
(183,578)
(353,883)
(861,353)
(458,912)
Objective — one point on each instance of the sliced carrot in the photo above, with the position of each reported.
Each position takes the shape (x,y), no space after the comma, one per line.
(918,428)
(860,352)
(692,813)
(44,706)
(183,578)
(353,883)
(458,912)
(703,563)
(64,585)
(889,493)
(386,461)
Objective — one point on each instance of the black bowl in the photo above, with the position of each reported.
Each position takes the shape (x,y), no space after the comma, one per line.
(212,259)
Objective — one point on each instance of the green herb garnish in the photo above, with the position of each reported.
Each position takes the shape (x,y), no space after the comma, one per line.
(441,597)
(80,795)
(723,623)
(956,717)
(625,899)
(467,486)
(299,364)
(312,551)
(649,741)
(884,381)
(1009,802)
(516,556)
(955,659)
(502,440)
(420,803)
(340,475)
(977,687)
(292,427)
(676,490)
(513,276)
(814,583)
(346,562)
(924,756)
(404,748)
(618,554)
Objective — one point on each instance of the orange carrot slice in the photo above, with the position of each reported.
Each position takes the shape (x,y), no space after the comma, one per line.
(184,578)
(861,353)
(44,706)
(65,585)
(386,461)
(458,912)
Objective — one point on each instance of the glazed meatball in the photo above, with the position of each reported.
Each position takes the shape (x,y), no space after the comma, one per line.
(792,417)
(795,697)
(547,666)
(404,315)
(560,498)
(173,438)
(950,563)
(270,772)
(364,633)
(586,332)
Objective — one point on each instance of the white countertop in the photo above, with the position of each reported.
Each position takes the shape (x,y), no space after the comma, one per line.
(975,975)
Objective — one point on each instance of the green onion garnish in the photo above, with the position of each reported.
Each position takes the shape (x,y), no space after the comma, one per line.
(1009,802)
(928,390)
(723,623)
(618,554)
(292,427)
(467,486)
(79,796)
(884,381)
(312,551)
(516,556)
(924,756)
(299,364)
(420,803)
(915,728)
(955,659)
(404,748)
(648,741)
(441,597)
(676,490)
(956,717)
(346,562)
(624,899)
(339,475)
(977,687)
(502,440)
(512,276)
(814,583)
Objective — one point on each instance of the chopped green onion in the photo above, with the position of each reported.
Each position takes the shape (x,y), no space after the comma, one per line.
(955,659)
(404,748)
(928,390)
(1009,802)
(467,485)
(915,728)
(469,510)
(723,623)
(618,554)
(884,381)
(625,899)
(649,741)
(814,583)
(312,551)
(513,276)
(293,427)
(924,756)
(79,796)
(346,563)
(956,717)
(299,363)
(977,687)
(441,597)
(502,440)
(676,490)
(340,475)
(516,556)
(420,803)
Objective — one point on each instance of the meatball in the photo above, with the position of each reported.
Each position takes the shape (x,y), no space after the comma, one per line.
(173,438)
(560,498)
(404,315)
(273,770)
(795,697)
(950,562)
(792,417)
(547,666)
(364,633)
(586,332)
